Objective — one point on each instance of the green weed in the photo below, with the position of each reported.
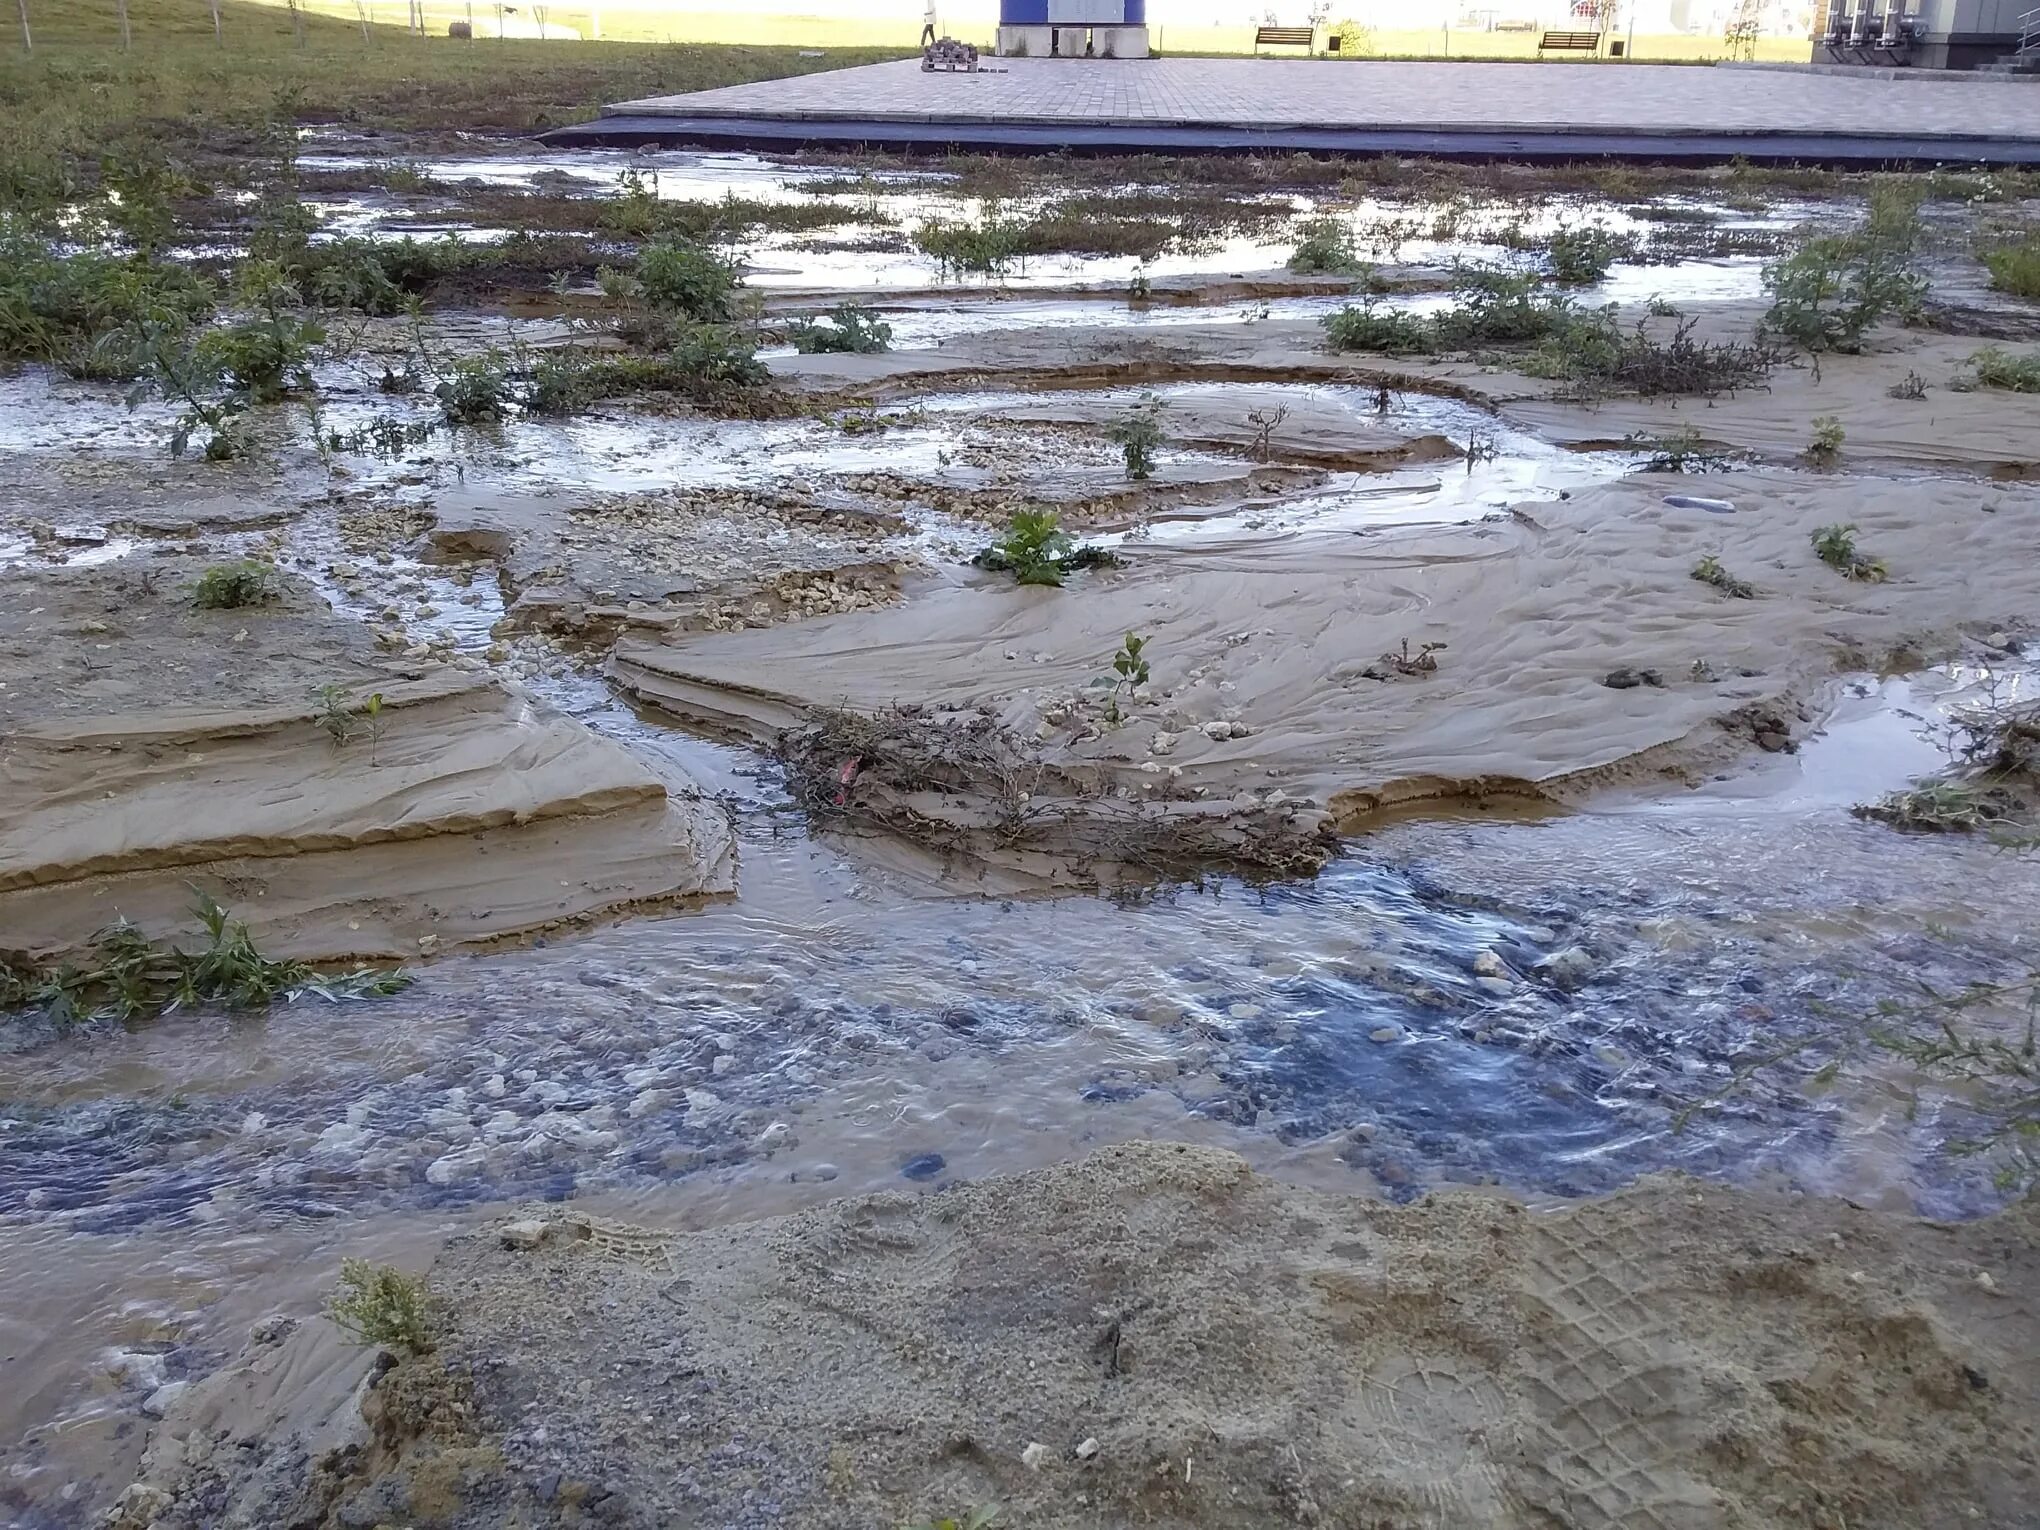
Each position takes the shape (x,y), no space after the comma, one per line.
(985,248)
(1709,571)
(1679,451)
(851,328)
(1579,257)
(235,586)
(131,977)
(1833,290)
(476,390)
(1826,444)
(2015,268)
(685,281)
(1325,247)
(1138,434)
(1995,367)
(381,1305)
(1836,547)
(1036,550)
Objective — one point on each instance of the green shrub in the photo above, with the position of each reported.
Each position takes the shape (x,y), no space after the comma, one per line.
(1999,368)
(476,391)
(685,281)
(1325,247)
(712,359)
(1388,332)
(379,1304)
(81,311)
(851,329)
(1830,293)
(1836,547)
(1580,257)
(1828,437)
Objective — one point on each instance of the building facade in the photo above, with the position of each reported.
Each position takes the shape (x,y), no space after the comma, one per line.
(1073,29)
(1920,34)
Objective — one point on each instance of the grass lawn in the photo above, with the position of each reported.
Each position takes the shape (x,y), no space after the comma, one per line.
(78,94)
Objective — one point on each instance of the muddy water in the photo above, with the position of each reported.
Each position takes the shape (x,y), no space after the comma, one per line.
(836,1029)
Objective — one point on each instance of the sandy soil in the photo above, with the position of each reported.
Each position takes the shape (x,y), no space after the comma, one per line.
(1154,1335)
(1267,649)
(466,812)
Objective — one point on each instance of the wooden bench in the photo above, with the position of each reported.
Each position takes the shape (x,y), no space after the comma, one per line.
(1569,42)
(1285,37)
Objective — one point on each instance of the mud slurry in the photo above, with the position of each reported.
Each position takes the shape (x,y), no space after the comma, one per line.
(1156,1335)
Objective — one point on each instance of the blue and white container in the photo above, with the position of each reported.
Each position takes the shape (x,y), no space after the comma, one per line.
(1073,29)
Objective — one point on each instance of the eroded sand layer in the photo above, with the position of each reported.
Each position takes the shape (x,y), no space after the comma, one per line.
(458,810)
(1154,1335)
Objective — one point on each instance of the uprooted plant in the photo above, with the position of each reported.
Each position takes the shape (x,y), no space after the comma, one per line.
(128,976)
(1036,550)
(1264,423)
(1401,664)
(1679,451)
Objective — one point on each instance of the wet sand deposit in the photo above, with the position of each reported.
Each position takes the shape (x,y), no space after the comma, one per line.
(818,945)
(1154,1335)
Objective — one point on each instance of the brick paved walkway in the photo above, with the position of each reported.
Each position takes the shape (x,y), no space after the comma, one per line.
(1261,93)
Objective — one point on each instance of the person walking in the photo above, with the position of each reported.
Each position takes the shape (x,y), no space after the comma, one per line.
(928,27)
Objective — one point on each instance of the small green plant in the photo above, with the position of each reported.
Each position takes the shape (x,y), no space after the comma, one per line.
(1036,550)
(1661,308)
(345,720)
(1138,434)
(381,1305)
(1370,327)
(851,329)
(1324,247)
(233,586)
(1130,663)
(1832,291)
(986,248)
(1836,547)
(1996,367)
(1912,387)
(1826,444)
(1140,290)
(1709,571)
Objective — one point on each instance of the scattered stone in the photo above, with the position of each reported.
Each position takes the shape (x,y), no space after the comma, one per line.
(1087,1450)
(1628,679)
(1385,1033)
(1033,1456)
(1568,969)
(924,1166)
(160,1401)
(526,1234)
(1488,965)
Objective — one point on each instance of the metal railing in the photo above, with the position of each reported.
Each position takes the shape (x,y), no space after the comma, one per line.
(2029,35)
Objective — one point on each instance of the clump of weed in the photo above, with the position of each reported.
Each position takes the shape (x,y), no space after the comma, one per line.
(381,1305)
(82,311)
(2015,268)
(1325,247)
(129,976)
(476,390)
(1995,367)
(1579,257)
(1836,547)
(1036,550)
(1596,355)
(234,586)
(985,248)
(1139,291)
(980,1518)
(1370,327)
(1912,387)
(851,329)
(1826,445)
(1138,433)
(1679,451)
(1709,571)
